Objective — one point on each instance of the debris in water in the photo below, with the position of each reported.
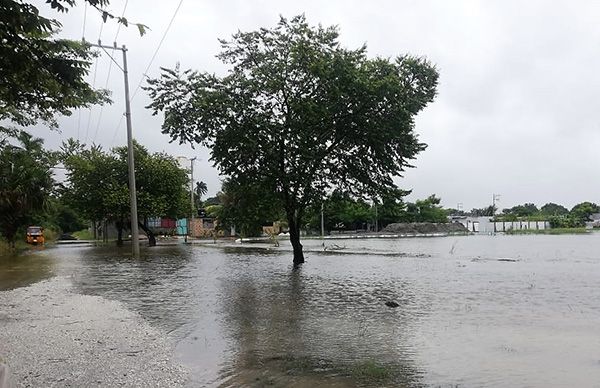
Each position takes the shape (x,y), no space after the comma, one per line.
(391,303)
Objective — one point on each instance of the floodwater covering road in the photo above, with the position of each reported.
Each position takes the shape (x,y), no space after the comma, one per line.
(485,311)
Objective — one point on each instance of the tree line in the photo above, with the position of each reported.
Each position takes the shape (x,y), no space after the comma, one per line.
(558,216)
(95,191)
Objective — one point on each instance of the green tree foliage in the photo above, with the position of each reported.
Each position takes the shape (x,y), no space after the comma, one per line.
(525,210)
(341,212)
(98,184)
(483,212)
(25,182)
(246,207)
(391,209)
(40,76)
(582,211)
(553,209)
(300,116)
(64,217)
(199,191)
(565,221)
(425,210)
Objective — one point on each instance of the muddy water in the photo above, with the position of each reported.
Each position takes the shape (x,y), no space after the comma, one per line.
(473,311)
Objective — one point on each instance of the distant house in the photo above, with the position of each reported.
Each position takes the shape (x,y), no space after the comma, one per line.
(205,227)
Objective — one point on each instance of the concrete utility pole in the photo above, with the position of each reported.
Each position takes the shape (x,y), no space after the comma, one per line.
(135,235)
(495,198)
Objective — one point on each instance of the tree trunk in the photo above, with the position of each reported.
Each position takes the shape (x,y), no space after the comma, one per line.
(295,239)
(151,237)
(119,226)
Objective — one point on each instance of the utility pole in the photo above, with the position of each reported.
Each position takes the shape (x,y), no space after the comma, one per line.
(135,238)
(495,198)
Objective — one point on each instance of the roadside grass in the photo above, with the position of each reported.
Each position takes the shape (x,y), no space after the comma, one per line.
(83,234)
(6,250)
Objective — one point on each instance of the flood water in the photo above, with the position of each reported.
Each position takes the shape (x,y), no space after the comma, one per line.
(485,311)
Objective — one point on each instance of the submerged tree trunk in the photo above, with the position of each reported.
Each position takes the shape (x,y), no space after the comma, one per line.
(294,226)
(151,237)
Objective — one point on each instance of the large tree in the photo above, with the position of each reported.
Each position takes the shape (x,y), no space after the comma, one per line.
(25,182)
(300,115)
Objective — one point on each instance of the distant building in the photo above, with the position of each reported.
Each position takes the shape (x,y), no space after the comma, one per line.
(486,224)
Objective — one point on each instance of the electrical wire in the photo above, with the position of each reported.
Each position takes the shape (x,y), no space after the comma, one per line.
(107,79)
(144,74)
(87,130)
(82,38)
(148,67)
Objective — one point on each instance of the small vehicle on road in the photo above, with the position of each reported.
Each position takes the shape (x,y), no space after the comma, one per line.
(35,235)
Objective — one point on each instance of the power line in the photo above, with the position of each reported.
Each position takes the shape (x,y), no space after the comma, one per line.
(112,142)
(87,130)
(107,79)
(122,14)
(144,74)
(82,38)
(147,68)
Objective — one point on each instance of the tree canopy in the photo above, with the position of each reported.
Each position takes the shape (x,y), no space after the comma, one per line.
(97,184)
(300,115)
(25,182)
(41,76)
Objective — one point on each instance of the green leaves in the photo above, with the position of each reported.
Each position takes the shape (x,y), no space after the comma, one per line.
(98,182)
(25,181)
(40,76)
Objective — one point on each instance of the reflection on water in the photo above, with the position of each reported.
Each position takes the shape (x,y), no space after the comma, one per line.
(24,269)
(473,311)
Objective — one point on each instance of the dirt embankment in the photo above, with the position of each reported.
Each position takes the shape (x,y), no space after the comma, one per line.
(424,228)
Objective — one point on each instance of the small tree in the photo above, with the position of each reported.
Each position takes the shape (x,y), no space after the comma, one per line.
(300,116)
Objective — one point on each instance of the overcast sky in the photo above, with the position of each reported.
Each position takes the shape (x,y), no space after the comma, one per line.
(517,106)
